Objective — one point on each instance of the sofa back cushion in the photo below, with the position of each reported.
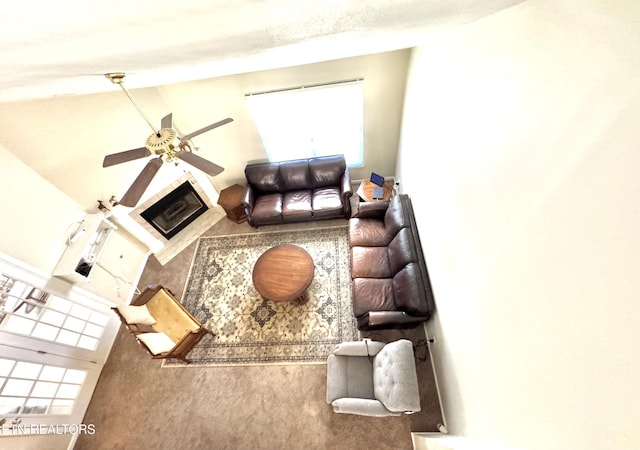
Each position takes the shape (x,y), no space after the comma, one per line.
(264,178)
(410,291)
(401,251)
(327,171)
(397,215)
(295,175)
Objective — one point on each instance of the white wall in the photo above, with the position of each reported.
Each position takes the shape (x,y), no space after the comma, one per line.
(528,209)
(36,217)
(66,138)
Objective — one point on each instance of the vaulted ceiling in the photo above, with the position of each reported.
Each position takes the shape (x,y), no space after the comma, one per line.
(60,48)
(55,55)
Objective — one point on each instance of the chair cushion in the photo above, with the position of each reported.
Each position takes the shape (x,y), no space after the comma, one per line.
(157,342)
(297,203)
(370,262)
(171,318)
(349,377)
(326,202)
(395,381)
(372,294)
(138,315)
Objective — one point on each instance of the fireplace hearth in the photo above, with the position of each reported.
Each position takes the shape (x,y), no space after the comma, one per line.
(173,212)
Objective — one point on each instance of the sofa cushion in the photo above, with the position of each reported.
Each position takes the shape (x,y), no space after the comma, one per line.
(396,217)
(327,170)
(410,291)
(326,202)
(264,178)
(268,206)
(367,233)
(372,294)
(370,262)
(401,251)
(297,203)
(295,175)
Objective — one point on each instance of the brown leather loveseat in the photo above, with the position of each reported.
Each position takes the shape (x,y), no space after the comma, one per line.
(391,287)
(297,191)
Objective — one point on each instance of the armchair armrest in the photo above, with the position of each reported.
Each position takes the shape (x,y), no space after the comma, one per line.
(365,347)
(361,406)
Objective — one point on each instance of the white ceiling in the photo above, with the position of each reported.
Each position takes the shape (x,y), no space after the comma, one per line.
(63,47)
(61,116)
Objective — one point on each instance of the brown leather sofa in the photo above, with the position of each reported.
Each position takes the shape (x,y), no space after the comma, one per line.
(391,287)
(297,191)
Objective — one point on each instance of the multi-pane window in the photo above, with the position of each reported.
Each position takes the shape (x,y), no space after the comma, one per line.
(311,121)
(33,312)
(37,389)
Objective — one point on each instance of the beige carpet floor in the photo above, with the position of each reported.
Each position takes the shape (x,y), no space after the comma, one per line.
(139,404)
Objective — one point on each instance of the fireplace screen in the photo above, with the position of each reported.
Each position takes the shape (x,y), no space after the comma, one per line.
(173,212)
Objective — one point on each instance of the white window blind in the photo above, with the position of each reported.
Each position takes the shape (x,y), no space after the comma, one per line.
(311,121)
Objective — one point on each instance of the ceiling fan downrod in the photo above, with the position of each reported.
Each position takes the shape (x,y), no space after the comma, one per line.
(118,78)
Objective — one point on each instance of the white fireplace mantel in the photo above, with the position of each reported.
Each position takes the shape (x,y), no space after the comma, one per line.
(131,220)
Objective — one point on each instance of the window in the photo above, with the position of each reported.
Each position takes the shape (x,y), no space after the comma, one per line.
(54,340)
(32,312)
(311,121)
(32,388)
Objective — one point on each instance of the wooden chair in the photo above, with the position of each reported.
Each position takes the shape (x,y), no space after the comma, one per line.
(172,318)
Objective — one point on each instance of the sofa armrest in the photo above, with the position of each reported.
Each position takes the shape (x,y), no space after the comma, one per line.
(248,198)
(347,190)
(378,318)
(362,407)
(371,210)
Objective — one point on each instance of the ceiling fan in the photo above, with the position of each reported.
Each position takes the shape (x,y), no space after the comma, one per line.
(165,142)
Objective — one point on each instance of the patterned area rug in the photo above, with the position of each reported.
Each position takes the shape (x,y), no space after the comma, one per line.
(250,330)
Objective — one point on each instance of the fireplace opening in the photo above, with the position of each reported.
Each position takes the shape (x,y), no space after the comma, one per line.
(173,212)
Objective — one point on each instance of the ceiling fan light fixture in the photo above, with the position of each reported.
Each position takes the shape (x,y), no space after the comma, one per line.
(163,141)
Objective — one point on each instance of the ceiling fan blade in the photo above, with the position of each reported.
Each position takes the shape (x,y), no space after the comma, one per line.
(207,128)
(200,163)
(141,183)
(167,121)
(129,155)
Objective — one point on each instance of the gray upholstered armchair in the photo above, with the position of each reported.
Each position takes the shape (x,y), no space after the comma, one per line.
(372,378)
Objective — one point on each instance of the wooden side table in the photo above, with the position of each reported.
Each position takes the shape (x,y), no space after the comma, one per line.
(365,191)
(231,201)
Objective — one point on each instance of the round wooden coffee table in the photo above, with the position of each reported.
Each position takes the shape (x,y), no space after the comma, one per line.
(283,273)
